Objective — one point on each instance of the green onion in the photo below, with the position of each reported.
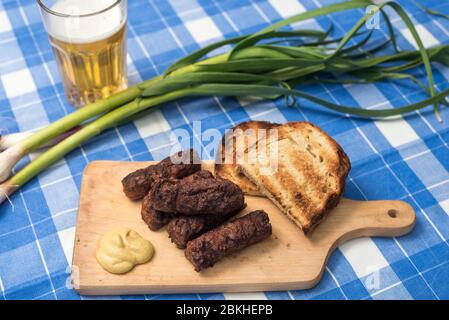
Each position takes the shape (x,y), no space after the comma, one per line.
(9,140)
(88,131)
(8,160)
(265,64)
(56,129)
(431,11)
(43,137)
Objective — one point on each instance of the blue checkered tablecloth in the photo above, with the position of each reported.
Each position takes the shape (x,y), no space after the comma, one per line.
(406,158)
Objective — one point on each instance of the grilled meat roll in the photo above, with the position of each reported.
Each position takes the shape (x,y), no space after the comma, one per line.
(209,248)
(137,184)
(198,194)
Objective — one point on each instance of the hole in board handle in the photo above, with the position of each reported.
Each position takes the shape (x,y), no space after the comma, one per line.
(392,213)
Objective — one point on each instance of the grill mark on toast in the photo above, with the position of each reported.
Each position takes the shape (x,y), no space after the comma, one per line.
(294,195)
(312,167)
(327,169)
(231,171)
(330,168)
(334,158)
(275,199)
(287,186)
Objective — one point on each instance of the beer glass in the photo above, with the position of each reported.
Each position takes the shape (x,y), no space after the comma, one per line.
(88,38)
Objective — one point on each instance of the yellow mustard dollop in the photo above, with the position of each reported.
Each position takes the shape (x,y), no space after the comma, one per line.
(122,249)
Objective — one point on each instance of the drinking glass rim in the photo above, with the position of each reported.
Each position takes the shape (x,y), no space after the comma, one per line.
(64,15)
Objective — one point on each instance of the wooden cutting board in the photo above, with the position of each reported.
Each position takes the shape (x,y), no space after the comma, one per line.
(287,261)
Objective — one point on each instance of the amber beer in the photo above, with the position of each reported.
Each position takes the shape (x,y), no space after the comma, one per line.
(91,71)
(89,42)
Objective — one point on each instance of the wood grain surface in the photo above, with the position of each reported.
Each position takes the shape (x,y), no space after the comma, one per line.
(287,261)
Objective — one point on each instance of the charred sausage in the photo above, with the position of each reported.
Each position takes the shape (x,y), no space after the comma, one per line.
(198,194)
(153,218)
(182,229)
(209,248)
(137,184)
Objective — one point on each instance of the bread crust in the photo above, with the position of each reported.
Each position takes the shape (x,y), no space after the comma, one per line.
(313,157)
(231,171)
(342,169)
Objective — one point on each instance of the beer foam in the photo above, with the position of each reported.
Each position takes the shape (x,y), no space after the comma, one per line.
(84,29)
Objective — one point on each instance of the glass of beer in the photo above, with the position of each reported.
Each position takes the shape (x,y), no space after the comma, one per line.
(89,41)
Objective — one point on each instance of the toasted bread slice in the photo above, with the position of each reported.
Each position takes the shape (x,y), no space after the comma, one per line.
(310,174)
(226,165)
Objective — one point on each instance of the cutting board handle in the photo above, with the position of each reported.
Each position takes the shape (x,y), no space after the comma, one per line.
(356,219)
